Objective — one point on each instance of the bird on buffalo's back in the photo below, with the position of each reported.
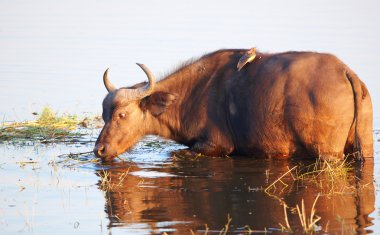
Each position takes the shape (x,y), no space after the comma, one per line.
(248,57)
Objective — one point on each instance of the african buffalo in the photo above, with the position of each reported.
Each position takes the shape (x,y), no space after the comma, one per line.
(280,105)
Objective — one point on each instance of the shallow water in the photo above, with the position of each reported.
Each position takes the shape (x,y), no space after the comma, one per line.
(153,191)
(55,53)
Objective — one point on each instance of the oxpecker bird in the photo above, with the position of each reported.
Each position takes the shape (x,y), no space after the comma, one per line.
(248,57)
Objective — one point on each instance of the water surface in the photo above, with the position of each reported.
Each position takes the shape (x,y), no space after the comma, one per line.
(152,191)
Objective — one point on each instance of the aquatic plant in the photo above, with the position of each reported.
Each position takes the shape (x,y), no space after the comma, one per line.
(49,127)
(330,177)
(286,227)
(308,224)
(106,184)
(308,221)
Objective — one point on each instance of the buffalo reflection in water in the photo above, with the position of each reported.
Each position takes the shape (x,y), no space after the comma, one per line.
(187,194)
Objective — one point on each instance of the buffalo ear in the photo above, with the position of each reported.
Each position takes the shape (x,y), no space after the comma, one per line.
(158,102)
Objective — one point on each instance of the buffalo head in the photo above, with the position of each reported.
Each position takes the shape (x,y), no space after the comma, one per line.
(128,114)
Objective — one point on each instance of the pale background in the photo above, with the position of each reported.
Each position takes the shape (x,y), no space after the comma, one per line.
(54,52)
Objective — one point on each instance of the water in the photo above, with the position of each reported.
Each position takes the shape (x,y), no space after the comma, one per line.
(54,53)
(152,192)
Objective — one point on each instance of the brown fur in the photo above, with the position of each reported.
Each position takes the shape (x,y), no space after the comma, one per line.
(280,105)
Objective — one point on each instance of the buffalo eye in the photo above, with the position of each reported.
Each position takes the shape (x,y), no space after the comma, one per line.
(122,115)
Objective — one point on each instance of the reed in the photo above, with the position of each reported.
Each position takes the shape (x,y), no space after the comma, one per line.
(107,184)
(308,224)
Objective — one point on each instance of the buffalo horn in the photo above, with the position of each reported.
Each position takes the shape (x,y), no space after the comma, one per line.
(109,86)
(150,86)
(141,92)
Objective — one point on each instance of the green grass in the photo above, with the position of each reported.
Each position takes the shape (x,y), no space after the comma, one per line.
(49,127)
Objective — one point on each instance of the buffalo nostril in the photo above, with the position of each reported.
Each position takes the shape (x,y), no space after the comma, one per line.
(99,150)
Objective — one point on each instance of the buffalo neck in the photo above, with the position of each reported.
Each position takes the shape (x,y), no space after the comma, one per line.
(196,87)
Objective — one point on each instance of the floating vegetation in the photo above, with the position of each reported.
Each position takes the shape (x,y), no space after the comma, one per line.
(75,159)
(49,127)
